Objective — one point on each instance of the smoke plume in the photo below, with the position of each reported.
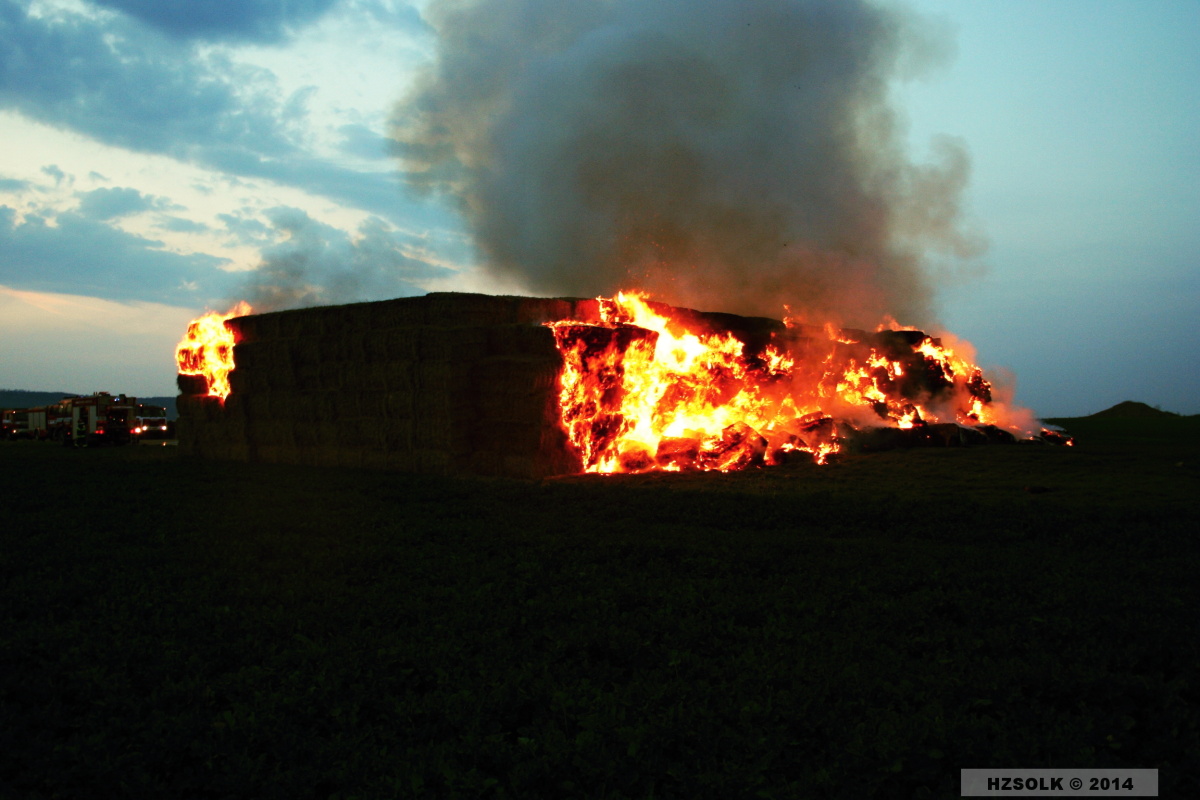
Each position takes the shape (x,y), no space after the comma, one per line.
(726,155)
(317,264)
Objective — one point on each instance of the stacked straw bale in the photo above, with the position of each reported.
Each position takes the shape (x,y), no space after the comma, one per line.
(446,384)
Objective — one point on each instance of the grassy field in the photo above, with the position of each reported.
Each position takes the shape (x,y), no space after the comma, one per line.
(867,629)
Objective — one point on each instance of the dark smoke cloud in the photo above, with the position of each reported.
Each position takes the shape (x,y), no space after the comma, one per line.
(729,155)
(317,264)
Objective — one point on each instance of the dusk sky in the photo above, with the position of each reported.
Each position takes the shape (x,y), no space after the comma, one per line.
(162,158)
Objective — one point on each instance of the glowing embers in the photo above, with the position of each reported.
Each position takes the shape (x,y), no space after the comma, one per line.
(645,389)
(207,349)
(641,392)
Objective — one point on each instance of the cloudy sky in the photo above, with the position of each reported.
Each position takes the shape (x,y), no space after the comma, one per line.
(164,157)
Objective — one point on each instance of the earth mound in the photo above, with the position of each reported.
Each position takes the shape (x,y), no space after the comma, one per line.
(1131,408)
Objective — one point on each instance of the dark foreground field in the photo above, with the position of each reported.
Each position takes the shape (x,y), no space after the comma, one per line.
(174,629)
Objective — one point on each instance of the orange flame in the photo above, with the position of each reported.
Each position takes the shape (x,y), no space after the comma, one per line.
(639,391)
(207,349)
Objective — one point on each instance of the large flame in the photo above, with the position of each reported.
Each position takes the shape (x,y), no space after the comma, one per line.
(640,391)
(647,387)
(207,349)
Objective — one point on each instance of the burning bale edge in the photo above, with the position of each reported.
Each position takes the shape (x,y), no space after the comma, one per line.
(447,383)
(472,384)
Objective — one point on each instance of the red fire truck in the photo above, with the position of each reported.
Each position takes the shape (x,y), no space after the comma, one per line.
(100,419)
(14,423)
(51,422)
(88,420)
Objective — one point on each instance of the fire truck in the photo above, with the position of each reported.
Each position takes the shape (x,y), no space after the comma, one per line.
(151,423)
(100,419)
(51,422)
(88,420)
(14,424)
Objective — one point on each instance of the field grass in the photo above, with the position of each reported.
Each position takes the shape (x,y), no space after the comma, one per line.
(188,629)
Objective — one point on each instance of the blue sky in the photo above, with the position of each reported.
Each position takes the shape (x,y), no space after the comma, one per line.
(161,160)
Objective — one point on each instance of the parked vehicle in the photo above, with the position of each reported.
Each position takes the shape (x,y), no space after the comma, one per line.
(14,424)
(101,419)
(151,423)
(52,421)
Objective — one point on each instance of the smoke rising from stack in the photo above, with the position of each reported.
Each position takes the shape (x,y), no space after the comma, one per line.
(317,264)
(732,156)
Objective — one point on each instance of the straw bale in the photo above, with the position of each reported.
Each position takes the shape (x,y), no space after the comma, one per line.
(305,352)
(268,453)
(187,406)
(348,457)
(519,375)
(539,310)
(401,312)
(350,432)
(207,408)
(456,344)
(373,459)
(238,451)
(372,404)
(398,404)
(323,456)
(444,433)
(896,345)
(586,310)
(301,323)
(274,375)
(258,327)
(523,438)
(232,430)
(443,377)
(305,378)
(349,347)
(396,434)
(485,462)
(244,328)
(331,322)
(463,308)
(250,355)
(254,405)
(404,461)
(523,466)
(234,407)
(377,346)
(282,403)
(327,434)
(304,435)
(339,405)
(243,381)
(400,344)
(361,376)
(191,384)
(305,407)
(264,432)
(521,340)
(531,413)
(433,462)
(330,375)
(432,432)
(399,376)
(456,406)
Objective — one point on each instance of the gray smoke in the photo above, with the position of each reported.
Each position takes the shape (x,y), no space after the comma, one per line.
(317,264)
(726,155)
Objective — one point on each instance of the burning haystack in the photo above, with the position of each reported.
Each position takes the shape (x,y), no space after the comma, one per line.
(529,387)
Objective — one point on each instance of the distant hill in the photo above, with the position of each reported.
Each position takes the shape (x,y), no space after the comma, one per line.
(19,398)
(1133,410)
